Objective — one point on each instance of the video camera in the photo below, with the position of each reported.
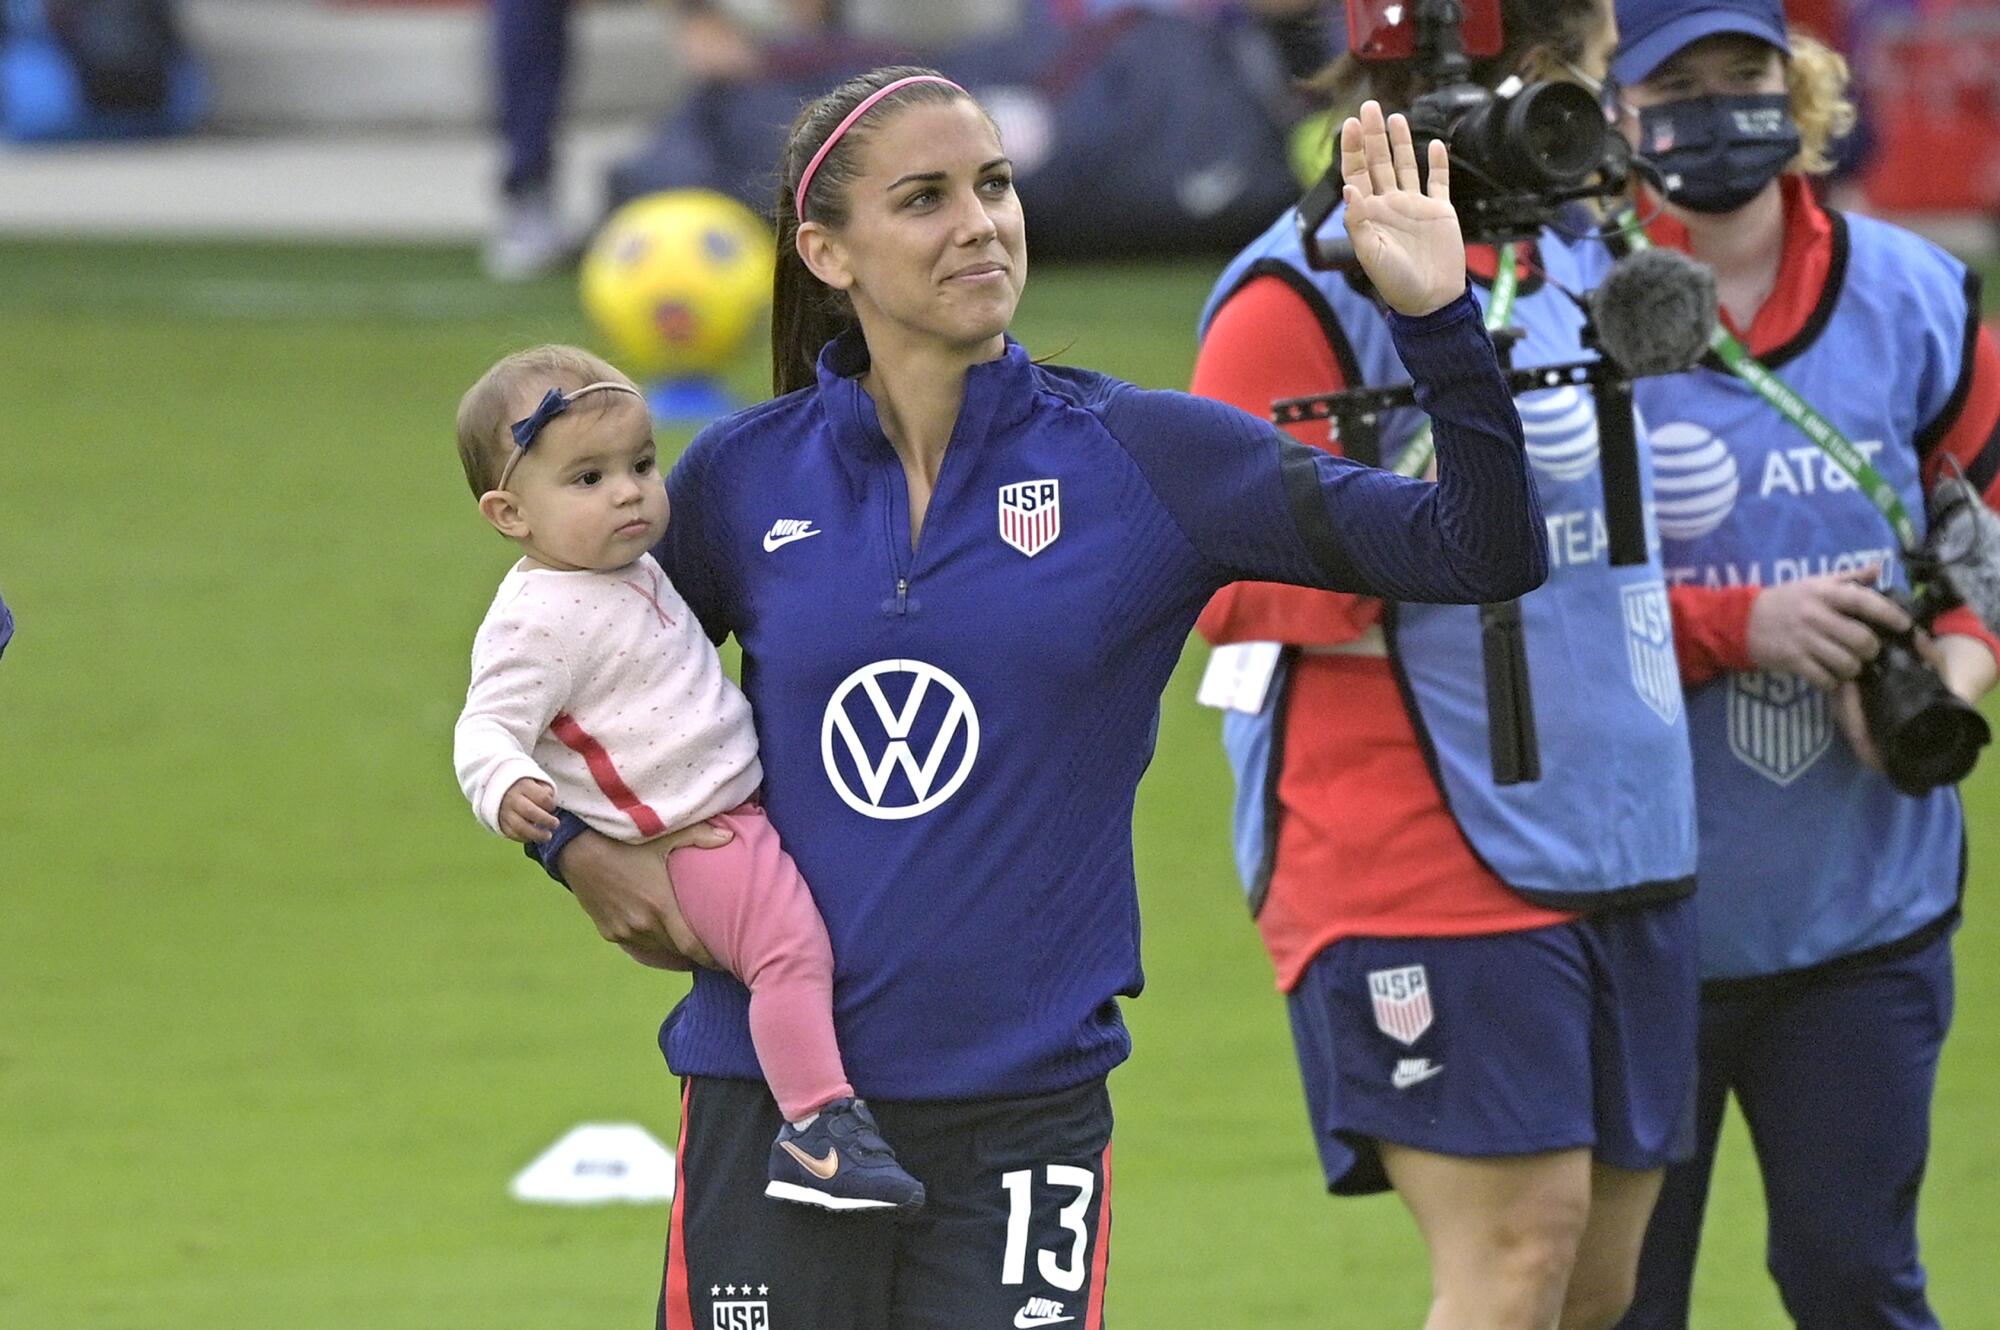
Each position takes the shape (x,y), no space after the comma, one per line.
(1518,153)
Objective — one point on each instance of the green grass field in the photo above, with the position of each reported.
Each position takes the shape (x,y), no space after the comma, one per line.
(277,1019)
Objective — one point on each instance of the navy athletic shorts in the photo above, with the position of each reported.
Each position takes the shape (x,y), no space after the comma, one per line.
(1577,1034)
(1016,1228)
(1833,1068)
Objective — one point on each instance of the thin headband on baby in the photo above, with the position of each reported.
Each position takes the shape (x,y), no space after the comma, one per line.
(812,167)
(554,402)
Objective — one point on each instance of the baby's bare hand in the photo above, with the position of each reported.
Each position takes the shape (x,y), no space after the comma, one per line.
(528,811)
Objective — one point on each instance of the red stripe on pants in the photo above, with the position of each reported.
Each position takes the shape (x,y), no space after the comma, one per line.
(579,741)
(680,1314)
(1100,1260)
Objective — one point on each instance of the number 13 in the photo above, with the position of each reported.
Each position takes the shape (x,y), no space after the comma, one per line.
(1020,1208)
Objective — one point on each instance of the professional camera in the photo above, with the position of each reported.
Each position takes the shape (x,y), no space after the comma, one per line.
(1926,734)
(1518,153)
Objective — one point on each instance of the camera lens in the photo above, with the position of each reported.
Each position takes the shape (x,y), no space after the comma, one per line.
(1926,735)
(1546,136)
(1558,131)
(1937,746)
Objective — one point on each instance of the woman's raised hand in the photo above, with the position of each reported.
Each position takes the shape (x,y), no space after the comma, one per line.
(1406,238)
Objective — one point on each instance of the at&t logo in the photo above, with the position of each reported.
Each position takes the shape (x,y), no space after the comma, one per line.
(1560,427)
(1695,480)
(898,716)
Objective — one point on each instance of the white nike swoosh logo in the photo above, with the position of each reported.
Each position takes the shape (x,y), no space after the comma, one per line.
(1023,1321)
(771,542)
(1403,1080)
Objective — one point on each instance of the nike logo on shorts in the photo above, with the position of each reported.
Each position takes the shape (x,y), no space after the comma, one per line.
(1040,1311)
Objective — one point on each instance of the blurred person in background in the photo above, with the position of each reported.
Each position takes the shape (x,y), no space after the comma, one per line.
(1828,899)
(750,61)
(739,39)
(530,64)
(715,41)
(1135,126)
(1491,985)
(6,626)
(1004,564)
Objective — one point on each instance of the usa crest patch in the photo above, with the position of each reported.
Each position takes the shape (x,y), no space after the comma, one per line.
(1031,515)
(1778,724)
(1402,1000)
(1649,649)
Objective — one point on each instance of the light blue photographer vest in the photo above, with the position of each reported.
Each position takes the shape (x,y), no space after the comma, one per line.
(1806,855)
(1612,819)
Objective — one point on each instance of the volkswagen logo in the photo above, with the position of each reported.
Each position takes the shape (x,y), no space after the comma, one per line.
(868,737)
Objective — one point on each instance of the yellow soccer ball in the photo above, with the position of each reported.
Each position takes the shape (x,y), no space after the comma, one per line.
(678,283)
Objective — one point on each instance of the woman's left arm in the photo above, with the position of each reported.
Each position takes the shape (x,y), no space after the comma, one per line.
(1259,506)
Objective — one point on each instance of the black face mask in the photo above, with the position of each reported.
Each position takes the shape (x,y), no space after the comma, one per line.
(1718,153)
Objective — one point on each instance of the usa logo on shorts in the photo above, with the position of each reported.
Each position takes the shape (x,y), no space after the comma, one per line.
(1031,515)
(741,1315)
(1402,999)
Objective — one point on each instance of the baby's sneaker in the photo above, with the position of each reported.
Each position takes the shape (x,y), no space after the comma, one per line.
(839,1161)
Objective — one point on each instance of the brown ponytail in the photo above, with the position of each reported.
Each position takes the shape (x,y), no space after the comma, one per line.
(806,314)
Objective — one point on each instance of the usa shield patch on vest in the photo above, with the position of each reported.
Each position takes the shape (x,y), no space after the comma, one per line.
(1649,648)
(1031,515)
(1402,999)
(1778,724)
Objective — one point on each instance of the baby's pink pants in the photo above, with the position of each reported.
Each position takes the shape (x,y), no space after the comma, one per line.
(750,907)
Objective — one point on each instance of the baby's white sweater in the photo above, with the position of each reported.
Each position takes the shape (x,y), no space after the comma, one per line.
(604,685)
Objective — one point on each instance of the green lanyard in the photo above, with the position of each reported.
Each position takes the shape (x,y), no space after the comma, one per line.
(1416,458)
(1794,408)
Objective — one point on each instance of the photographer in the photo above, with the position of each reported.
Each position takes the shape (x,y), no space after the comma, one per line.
(1490,981)
(1828,897)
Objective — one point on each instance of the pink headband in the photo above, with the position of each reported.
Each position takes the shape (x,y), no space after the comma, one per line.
(812,167)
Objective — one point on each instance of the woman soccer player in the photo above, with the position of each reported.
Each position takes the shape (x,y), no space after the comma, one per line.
(960,581)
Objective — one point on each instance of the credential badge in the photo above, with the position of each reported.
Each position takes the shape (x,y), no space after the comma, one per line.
(1031,515)
(1402,999)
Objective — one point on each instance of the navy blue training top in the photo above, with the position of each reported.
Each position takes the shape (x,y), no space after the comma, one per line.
(953,734)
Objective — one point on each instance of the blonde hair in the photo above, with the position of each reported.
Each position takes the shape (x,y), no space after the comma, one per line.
(487,412)
(1816,80)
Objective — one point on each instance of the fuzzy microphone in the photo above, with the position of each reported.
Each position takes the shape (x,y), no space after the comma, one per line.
(1655,311)
(1965,541)
(1653,314)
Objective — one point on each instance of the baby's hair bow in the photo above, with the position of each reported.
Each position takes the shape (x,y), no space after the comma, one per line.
(554,402)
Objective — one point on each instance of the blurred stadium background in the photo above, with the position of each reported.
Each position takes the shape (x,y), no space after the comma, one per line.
(277,1020)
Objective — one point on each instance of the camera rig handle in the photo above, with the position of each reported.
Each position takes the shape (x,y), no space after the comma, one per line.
(1514,751)
(1359,411)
